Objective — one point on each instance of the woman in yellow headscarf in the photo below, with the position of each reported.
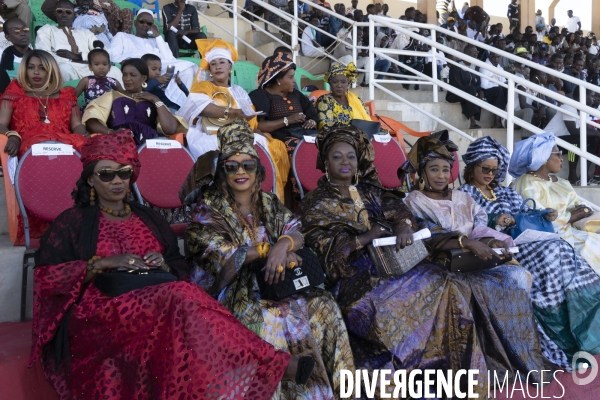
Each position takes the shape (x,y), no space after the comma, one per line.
(216,102)
(340,106)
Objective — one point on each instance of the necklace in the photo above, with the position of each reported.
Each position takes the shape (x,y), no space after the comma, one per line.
(247,228)
(45,107)
(339,184)
(539,177)
(120,213)
(493,198)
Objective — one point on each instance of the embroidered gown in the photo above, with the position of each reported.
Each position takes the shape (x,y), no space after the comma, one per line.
(159,342)
(305,324)
(569,315)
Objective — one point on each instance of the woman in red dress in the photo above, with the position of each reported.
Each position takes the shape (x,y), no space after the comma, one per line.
(101,333)
(36,108)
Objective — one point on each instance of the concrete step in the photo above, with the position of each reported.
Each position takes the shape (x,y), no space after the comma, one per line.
(11,259)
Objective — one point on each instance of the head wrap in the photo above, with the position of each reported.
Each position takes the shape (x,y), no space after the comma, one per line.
(356,138)
(272,66)
(236,137)
(144,10)
(485,148)
(428,148)
(530,154)
(349,71)
(118,147)
(211,49)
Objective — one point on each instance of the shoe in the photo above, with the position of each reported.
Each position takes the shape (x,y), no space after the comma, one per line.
(364,84)
(306,365)
(416,87)
(595,181)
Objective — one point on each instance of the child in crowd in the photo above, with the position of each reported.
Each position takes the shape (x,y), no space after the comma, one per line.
(96,85)
(157,83)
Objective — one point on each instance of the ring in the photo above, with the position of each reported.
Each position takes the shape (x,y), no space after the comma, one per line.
(280,269)
(586,210)
(292,264)
(131,261)
(409,241)
(382,228)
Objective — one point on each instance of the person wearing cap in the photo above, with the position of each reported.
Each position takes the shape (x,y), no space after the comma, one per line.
(540,57)
(535,163)
(573,23)
(147,40)
(540,32)
(521,69)
(115,312)
(69,46)
(217,98)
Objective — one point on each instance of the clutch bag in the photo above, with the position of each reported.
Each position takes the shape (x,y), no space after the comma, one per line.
(458,260)
(589,224)
(210,125)
(116,283)
(388,262)
(297,280)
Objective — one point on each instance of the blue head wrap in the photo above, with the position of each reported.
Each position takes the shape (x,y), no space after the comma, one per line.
(485,148)
(531,154)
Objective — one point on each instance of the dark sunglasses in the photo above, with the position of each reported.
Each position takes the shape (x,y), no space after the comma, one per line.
(108,175)
(232,167)
(61,11)
(147,23)
(487,170)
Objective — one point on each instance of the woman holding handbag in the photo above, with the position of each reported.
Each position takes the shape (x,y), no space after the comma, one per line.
(240,235)
(397,321)
(109,312)
(456,222)
(562,280)
(535,163)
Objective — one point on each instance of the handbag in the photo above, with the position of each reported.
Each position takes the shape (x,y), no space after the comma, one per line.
(299,132)
(210,125)
(459,260)
(370,128)
(116,283)
(387,262)
(589,224)
(533,219)
(297,280)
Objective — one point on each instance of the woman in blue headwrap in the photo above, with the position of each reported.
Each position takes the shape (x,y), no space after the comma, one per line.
(553,294)
(535,163)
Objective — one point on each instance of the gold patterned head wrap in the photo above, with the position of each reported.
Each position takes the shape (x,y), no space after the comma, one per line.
(211,49)
(272,66)
(234,138)
(349,71)
(427,148)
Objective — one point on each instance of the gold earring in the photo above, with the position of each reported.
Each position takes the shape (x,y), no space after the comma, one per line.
(92,197)
(278,83)
(327,175)
(356,178)
(210,75)
(421,184)
(144,85)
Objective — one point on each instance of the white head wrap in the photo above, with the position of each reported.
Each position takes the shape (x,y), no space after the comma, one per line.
(219,52)
(145,10)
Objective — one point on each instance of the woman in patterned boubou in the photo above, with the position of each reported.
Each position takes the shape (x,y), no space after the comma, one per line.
(166,341)
(565,290)
(236,225)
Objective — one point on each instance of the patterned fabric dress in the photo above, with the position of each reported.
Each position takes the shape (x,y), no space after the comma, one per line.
(500,295)
(332,113)
(306,324)
(159,342)
(97,87)
(569,315)
(561,196)
(422,319)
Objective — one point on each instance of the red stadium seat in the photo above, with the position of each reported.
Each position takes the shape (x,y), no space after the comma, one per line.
(304,165)
(161,176)
(43,186)
(269,184)
(388,158)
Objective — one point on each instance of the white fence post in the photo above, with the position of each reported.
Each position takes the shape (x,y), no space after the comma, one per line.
(510,125)
(371,70)
(434,69)
(294,32)
(235,24)
(583,136)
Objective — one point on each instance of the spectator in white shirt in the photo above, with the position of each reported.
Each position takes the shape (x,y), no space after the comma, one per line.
(539,19)
(540,32)
(473,32)
(310,46)
(494,93)
(573,23)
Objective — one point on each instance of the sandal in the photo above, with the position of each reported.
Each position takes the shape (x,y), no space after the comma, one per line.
(306,365)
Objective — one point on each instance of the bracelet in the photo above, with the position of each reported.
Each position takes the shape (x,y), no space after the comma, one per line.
(460,241)
(13,133)
(159,104)
(358,244)
(90,265)
(263,249)
(490,241)
(292,244)
(285,121)
(226,113)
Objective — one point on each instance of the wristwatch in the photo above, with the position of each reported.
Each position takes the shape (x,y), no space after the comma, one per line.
(159,104)
(285,121)
(405,222)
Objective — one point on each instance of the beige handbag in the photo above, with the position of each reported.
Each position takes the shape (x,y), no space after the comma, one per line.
(210,126)
(589,224)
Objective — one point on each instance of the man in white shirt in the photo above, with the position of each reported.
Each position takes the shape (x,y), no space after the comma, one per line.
(310,47)
(494,93)
(573,23)
(473,32)
(69,46)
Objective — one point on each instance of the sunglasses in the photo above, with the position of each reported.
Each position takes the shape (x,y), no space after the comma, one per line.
(232,167)
(16,31)
(488,170)
(108,175)
(147,23)
(557,152)
(61,11)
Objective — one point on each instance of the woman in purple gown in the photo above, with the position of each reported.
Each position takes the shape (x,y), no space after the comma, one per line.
(141,112)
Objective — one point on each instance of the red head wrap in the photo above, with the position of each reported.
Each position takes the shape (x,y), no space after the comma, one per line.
(118,147)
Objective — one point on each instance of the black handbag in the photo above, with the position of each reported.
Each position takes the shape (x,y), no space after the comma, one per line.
(459,260)
(532,219)
(299,132)
(370,128)
(297,280)
(116,283)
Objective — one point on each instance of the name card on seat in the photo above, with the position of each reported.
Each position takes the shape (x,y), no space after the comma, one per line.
(382,138)
(310,139)
(52,149)
(162,144)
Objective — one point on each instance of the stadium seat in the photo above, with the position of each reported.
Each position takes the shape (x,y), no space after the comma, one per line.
(304,162)
(269,184)
(244,75)
(388,157)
